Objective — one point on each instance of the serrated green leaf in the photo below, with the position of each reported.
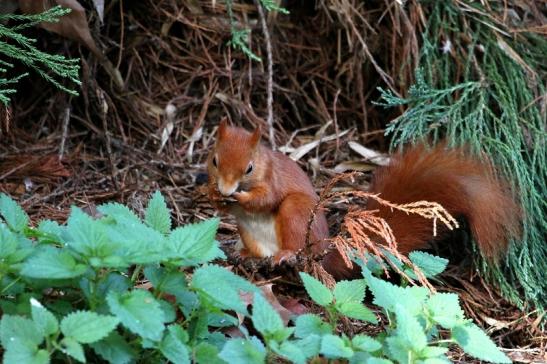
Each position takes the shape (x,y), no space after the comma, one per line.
(17,329)
(12,213)
(350,291)
(114,349)
(310,345)
(398,350)
(334,347)
(205,353)
(199,327)
(221,319)
(87,236)
(25,353)
(173,346)
(357,311)
(157,215)
(178,332)
(216,338)
(434,361)
(193,242)
(214,253)
(88,327)
(241,351)
(117,210)
(187,300)
(444,308)
(378,361)
(52,263)
(8,241)
(409,329)
(318,292)
(169,312)
(265,319)
(290,351)
(429,264)
(19,256)
(44,320)
(50,227)
(387,295)
(112,261)
(476,343)
(114,282)
(222,287)
(73,348)
(136,242)
(370,262)
(282,334)
(166,281)
(433,351)
(50,231)
(310,324)
(139,311)
(365,343)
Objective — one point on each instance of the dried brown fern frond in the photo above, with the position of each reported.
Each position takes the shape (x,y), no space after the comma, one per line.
(363,231)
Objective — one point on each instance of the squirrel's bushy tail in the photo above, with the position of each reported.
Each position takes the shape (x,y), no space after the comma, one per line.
(463,184)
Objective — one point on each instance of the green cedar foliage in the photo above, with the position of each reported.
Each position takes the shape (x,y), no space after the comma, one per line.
(486,91)
(73,293)
(53,68)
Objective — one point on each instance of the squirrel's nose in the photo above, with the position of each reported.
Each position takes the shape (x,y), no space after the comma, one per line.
(227,189)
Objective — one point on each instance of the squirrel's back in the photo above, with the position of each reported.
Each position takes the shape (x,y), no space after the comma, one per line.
(289,177)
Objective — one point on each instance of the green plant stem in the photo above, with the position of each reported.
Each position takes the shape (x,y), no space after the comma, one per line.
(136,273)
(11,283)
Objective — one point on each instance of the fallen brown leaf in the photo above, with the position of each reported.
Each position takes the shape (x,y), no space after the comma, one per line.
(73,25)
(272,299)
(35,167)
(266,289)
(293,305)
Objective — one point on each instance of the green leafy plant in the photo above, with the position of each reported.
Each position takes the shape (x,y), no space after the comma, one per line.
(416,318)
(90,269)
(114,288)
(53,68)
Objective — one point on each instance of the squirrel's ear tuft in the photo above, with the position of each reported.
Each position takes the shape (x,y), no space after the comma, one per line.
(255,137)
(222,127)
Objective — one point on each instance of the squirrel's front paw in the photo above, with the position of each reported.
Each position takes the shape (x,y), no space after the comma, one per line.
(285,256)
(242,197)
(220,201)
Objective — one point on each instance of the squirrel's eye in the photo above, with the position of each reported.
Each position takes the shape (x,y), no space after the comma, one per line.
(249,169)
(215,163)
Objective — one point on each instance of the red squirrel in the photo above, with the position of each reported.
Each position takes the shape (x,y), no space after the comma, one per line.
(275,198)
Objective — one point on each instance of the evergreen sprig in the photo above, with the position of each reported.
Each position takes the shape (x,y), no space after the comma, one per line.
(479,93)
(53,68)
(240,36)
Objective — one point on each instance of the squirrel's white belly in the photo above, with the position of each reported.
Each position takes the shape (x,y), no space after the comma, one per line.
(261,229)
